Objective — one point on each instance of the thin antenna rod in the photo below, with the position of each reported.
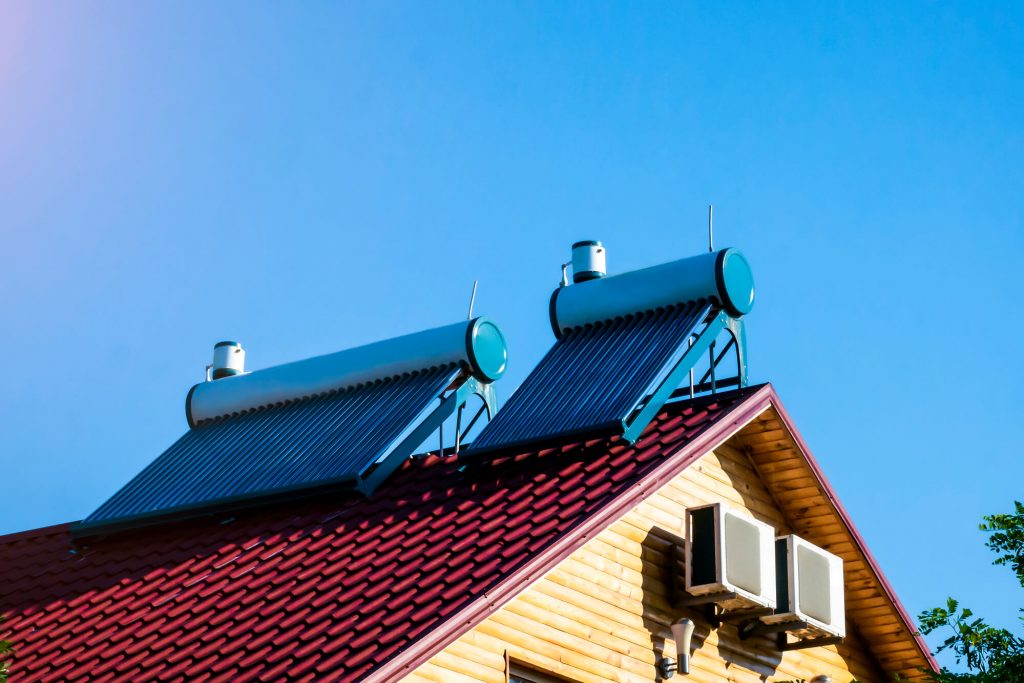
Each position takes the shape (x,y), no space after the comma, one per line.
(472,300)
(711,228)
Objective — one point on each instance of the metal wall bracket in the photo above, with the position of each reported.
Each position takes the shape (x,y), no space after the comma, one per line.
(781,631)
(701,600)
(745,618)
(710,603)
(746,615)
(758,628)
(786,646)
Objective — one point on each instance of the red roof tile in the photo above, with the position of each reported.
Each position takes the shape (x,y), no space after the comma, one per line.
(333,588)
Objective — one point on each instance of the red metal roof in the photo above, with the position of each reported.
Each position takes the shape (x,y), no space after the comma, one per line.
(322,589)
(342,589)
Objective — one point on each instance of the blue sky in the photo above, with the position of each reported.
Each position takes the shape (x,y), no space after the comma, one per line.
(309,177)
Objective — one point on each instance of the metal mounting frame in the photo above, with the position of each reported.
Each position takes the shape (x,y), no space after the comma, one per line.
(700,343)
(453,399)
(712,612)
(758,628)
(785,646)
(781,631)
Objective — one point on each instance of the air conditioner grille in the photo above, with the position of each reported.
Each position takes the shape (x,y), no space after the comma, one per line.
(742,554)
(815,584)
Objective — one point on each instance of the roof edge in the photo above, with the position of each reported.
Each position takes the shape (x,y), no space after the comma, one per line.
(428,645)
(32,533)
(844,516)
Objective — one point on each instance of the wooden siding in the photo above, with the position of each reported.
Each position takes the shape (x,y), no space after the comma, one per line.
(794,486)
(603,613)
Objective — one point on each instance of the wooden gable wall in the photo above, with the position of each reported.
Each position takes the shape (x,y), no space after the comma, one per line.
(603,614)
(774,448)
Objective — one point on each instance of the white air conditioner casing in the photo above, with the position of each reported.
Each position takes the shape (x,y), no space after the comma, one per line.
(729,552)
(810,588)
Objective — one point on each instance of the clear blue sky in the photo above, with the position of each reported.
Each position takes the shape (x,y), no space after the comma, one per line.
(309,177)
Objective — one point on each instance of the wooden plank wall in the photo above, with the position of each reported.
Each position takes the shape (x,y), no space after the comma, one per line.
(795,488)
(603,613)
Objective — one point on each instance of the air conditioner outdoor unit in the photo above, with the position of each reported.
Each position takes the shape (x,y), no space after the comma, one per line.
(810,588)
(729,552)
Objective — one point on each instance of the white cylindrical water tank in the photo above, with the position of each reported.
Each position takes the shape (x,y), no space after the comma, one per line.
(588,261)
(228,359)
(724,277)
(478,345)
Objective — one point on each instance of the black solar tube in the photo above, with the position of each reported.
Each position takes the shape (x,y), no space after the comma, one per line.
(329,438)
(593,378)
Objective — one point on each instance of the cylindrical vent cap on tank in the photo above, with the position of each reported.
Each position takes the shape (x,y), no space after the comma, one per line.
(588,261)
(228,359)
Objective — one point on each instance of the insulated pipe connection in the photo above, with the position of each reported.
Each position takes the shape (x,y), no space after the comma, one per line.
(478,345)
(722,276)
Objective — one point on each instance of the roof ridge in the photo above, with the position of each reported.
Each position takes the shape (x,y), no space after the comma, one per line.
(588,436)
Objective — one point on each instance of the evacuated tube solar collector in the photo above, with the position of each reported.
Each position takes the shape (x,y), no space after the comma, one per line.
(345,420)
(625,343)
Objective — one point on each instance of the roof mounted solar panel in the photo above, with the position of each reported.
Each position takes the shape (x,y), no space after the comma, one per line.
(624,345)
(342,421)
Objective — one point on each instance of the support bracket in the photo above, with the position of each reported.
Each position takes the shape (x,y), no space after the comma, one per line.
(781,631)
(786,646)
(633,426)
(758,628)
(739,334)
(672,384)
(428,422)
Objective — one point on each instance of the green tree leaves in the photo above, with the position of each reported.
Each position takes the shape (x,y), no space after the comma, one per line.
(1006,537)
(992,655)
